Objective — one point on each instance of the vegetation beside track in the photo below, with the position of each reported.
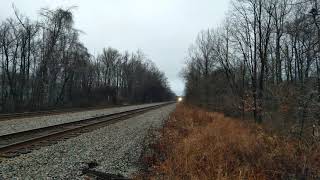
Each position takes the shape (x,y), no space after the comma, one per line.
(196,144)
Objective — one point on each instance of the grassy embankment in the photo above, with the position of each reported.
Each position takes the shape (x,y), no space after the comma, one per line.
(196,144)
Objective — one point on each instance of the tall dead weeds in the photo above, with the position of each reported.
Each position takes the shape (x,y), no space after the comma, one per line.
(196,144)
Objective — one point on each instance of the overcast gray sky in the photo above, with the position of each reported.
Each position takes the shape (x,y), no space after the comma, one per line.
(162,29)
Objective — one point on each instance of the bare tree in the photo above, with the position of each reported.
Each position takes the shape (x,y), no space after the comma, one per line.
(268,53)
(44,65)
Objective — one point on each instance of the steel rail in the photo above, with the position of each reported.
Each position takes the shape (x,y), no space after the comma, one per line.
(14,144)
(9,116)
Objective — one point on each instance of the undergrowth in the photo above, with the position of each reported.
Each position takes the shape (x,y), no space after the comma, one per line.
(196,144)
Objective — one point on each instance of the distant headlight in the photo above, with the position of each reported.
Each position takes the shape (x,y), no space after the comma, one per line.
(180,99)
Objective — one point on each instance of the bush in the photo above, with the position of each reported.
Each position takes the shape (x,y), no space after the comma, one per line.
(196,144)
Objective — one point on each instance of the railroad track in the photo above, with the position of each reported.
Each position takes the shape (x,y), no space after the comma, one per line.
(4,117)
(15,144)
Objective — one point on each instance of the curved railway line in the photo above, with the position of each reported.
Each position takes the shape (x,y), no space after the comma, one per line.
(15,144)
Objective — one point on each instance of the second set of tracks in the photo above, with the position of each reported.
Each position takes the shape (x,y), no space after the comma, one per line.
(15,144)
(10,116)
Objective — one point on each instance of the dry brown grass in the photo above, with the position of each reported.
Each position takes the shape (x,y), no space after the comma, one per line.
(202,145)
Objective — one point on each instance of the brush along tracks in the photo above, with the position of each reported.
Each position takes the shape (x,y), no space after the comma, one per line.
(15,144)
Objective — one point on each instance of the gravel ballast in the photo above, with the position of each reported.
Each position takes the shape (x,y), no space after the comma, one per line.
(116,149)
(24,124)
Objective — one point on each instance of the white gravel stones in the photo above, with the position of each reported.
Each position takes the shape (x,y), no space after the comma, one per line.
(115,148)
(23,124)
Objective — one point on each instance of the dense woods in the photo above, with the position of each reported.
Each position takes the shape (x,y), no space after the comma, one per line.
(44,65)
(263,62)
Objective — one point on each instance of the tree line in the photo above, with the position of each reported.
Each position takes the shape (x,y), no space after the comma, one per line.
(44,65)
(262,62)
